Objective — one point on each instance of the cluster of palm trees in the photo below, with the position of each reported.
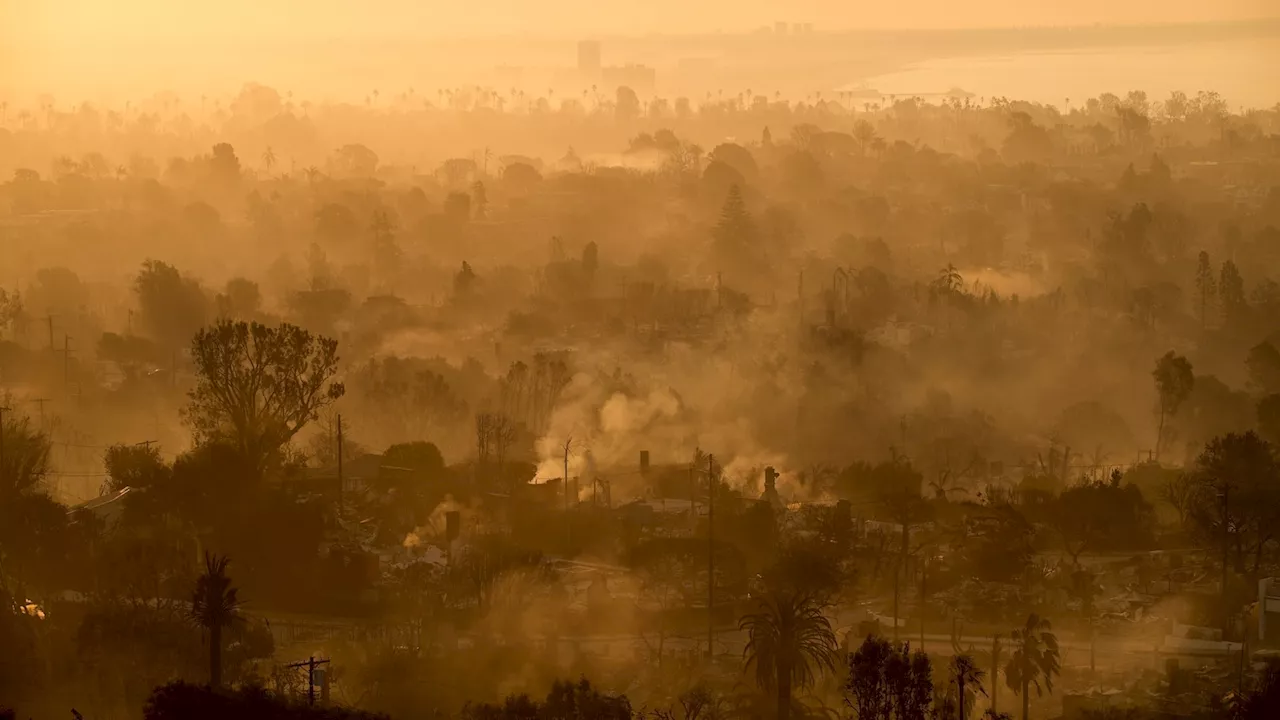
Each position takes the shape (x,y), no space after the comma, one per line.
(791,643)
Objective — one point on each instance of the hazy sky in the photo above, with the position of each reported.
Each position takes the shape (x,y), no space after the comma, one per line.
(90,48)
(56,20)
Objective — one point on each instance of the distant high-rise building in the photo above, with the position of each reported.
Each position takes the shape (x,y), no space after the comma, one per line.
(589,57)
(780,28)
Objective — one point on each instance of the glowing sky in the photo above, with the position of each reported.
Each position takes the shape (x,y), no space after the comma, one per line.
(87,45)
(152,18)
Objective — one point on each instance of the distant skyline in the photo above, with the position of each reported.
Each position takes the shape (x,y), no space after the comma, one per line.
(55,22)
(103,49)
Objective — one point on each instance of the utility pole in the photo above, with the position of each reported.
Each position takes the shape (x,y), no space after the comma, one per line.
(693,496)
(40,402)
(341,486)
(66,361)
(49,319)
(800,295)
(310,664)
(3,409)
(897,575)
(995,670)
(711,556)
(568,528)
(1226,550)
(924,576)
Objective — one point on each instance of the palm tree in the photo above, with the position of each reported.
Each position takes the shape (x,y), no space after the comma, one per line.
(214,606)
(967,677)
(863,133)
(949,279)
(790,639)
(1035,656)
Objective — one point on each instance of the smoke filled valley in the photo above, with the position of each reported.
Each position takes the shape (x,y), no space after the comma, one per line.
(490,402)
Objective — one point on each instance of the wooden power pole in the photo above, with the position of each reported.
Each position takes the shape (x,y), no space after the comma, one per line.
(66,361)
(711,556)
(310,664)
(3,409)
(341,485)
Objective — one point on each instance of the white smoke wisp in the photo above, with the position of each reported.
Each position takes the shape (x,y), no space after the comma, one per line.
(434,525)
(613,426)
(734,402)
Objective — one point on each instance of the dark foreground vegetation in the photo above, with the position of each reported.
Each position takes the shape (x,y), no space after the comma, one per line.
(743,408)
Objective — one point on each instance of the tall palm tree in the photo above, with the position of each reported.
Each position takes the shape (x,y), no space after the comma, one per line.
(1035,657)
(949,278)
(790,640)
(968,678)
(214,606)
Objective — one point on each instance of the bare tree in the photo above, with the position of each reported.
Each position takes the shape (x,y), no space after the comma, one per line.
(1179,493)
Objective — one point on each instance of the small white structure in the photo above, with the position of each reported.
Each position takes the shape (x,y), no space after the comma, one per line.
(1268,605)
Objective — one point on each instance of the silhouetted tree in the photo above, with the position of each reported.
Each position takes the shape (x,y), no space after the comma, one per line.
(214,606)
(1264,368)
(224,165)
(1269,418)
(1237,506)
(1205,286)
(968,680)
(173,307)
(257,386)
(25,459)
(867,691)
(1231,293)
(789,638)
(1174,381)
(480,199)
(865,134)
(1035,659)
(887,681)
(590,259)
(627,105)
(133,466)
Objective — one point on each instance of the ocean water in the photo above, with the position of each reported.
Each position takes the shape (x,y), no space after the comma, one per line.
(1245,72)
